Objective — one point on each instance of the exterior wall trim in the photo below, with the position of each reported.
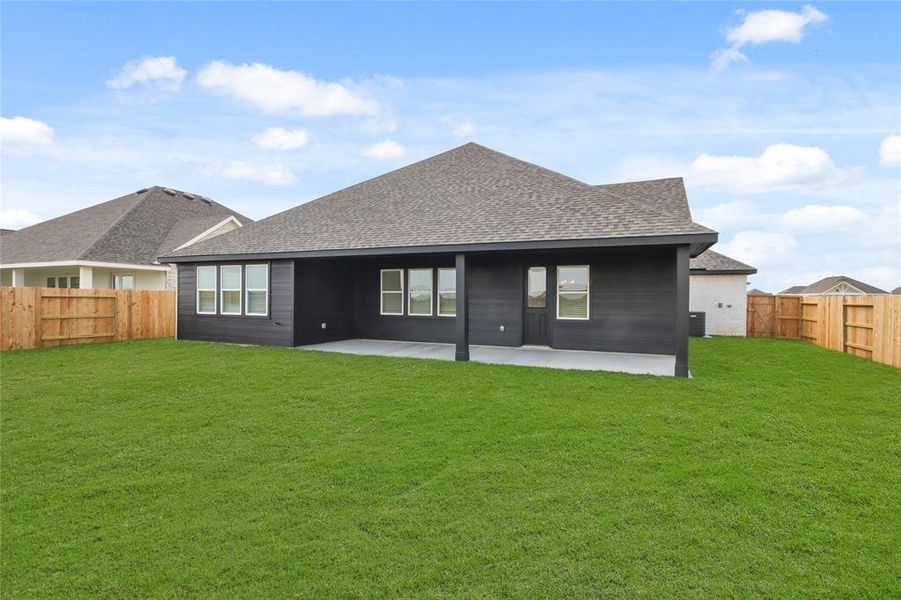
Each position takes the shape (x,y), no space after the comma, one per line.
(83,263)
(698,241)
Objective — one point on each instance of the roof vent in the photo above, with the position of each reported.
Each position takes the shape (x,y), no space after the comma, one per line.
(141,191)
(187,195)
(171,192)
(207,200)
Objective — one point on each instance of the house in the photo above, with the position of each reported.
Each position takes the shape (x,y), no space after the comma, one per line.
(897,291)
(756,292)
(837,285)
(114,244)
(469,246)
(718,287)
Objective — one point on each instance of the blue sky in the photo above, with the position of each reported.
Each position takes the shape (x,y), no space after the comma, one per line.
(788,141)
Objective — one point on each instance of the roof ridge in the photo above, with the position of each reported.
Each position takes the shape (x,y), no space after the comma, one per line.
(141,200)
(429,158)
(632,181)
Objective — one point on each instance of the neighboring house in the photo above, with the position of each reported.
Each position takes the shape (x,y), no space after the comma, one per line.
(756,292)
(469,246)
(897,291)
(837,285)
(719,289)
(114,244)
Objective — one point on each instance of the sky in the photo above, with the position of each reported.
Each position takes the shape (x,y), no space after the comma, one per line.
(784,119)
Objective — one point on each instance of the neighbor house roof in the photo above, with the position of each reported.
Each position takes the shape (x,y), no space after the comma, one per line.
(470,195)
(711,262)
(133,229)
(756,292)
(795,289)
(897,290)
(827,283)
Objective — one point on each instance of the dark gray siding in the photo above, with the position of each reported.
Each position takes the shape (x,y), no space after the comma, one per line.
(632,303)
(371,324)
(275,330)
(325,293)
(496,291)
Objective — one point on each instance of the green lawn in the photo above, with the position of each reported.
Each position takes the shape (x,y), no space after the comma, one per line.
(162,468)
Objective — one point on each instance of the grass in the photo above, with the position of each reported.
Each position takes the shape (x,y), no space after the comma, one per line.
(163,468)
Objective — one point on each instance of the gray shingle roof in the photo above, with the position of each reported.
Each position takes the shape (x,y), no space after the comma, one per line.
(827,283)
(756,292)
(468,195)
(720,263)
(130,229)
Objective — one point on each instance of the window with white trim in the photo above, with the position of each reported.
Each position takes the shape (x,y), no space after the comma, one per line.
(206,290)
(572,292)
(419,298)
(123,281)
(256,282)
(230,289)
(447,292)
(392,292)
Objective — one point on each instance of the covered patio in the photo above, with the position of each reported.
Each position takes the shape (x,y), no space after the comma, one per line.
(525,356)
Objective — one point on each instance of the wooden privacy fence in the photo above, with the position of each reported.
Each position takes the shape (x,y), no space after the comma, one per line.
(45,317)
(865,326)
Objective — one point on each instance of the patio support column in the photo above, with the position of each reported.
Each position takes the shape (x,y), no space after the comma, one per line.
(462,319)
(85,277)
(18,279)
(682,258)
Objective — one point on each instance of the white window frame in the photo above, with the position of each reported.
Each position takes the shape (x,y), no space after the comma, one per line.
(200,289)
(247,291)
(438,291)
(431,293)
(587,293)
(223,289)
(119,276)
(382,293)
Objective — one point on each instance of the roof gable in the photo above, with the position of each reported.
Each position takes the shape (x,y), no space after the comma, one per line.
(468,195)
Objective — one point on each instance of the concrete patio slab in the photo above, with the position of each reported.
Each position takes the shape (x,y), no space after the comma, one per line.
(525,356)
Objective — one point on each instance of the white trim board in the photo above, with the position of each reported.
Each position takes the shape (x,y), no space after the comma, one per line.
(83,263)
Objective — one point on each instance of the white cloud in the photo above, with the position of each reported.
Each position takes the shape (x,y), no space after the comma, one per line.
(16,218)
(730,215)
(279,91)
(24,131)
(816,218)
(759,248)
(780,167)
(765,26)
(266,174)
(890,151)
(378,125)
(277,138)
(384,150)
(161,72)
(464,129)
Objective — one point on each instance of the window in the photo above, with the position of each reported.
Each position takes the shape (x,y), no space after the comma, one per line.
(62,282)
(74,282)
(420,295)
(125,282)
(257,290)
(537,287)
(230,290)
(206,290)
(392,286)
(447,292)
(572,292)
